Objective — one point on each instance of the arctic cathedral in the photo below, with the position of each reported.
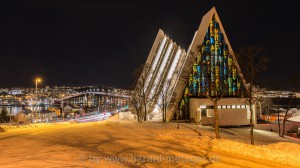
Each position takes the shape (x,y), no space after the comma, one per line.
(208,69)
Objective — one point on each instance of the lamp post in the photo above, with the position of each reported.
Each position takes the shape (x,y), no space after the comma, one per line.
(98,107)
(62,106)
(196,118)
(37,80)
(105,104)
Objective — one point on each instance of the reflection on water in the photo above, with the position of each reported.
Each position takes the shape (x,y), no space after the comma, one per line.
(16,109)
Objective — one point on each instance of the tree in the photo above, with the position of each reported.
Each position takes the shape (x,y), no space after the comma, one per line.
(253,62)
(145,96)
(217,96)
(213,95)
(277,102)
(295,82)
(135,99)
(276,86)
(4,112)
(217,93)
(163,99)
(291,97)
(136,102)
(265,103)
(177,118)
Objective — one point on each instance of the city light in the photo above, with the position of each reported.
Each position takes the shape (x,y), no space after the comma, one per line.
(38,80)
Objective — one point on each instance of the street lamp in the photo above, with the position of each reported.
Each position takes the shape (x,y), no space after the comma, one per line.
(37,80)
(198,120)
(98,107)
(62,106)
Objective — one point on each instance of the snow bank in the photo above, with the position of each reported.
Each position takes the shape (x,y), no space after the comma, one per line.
(27,126)
(10,127)
(281,152)
(2,129)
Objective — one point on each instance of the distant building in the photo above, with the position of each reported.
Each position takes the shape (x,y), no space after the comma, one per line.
(40,116)
(55,109)
(69,111)
(16,92)
(46,115)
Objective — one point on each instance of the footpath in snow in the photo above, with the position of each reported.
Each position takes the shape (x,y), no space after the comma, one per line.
(114,143)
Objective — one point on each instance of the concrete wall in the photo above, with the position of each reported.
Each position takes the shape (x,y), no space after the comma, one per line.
(227,117)
(233,117)
(160,35)
(163,67)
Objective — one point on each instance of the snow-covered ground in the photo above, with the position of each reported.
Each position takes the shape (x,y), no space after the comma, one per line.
(114,143)
(294,111)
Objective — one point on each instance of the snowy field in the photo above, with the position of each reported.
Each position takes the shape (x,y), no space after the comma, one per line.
(114,143)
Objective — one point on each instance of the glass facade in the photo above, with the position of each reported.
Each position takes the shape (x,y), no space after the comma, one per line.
(214,71)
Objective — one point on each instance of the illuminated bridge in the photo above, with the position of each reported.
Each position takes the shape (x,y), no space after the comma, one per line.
(106,100)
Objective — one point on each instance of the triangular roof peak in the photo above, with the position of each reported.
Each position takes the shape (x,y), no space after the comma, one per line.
(201,32)
(209,14)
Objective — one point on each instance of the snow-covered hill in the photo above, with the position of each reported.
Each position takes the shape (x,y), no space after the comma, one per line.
(114,143)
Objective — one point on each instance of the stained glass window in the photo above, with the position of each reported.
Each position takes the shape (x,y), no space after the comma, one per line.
(214,69)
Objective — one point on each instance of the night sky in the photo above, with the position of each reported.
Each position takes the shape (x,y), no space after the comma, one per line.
(95,42)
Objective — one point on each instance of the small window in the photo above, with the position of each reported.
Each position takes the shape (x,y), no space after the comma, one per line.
(203,107)
(210,107)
